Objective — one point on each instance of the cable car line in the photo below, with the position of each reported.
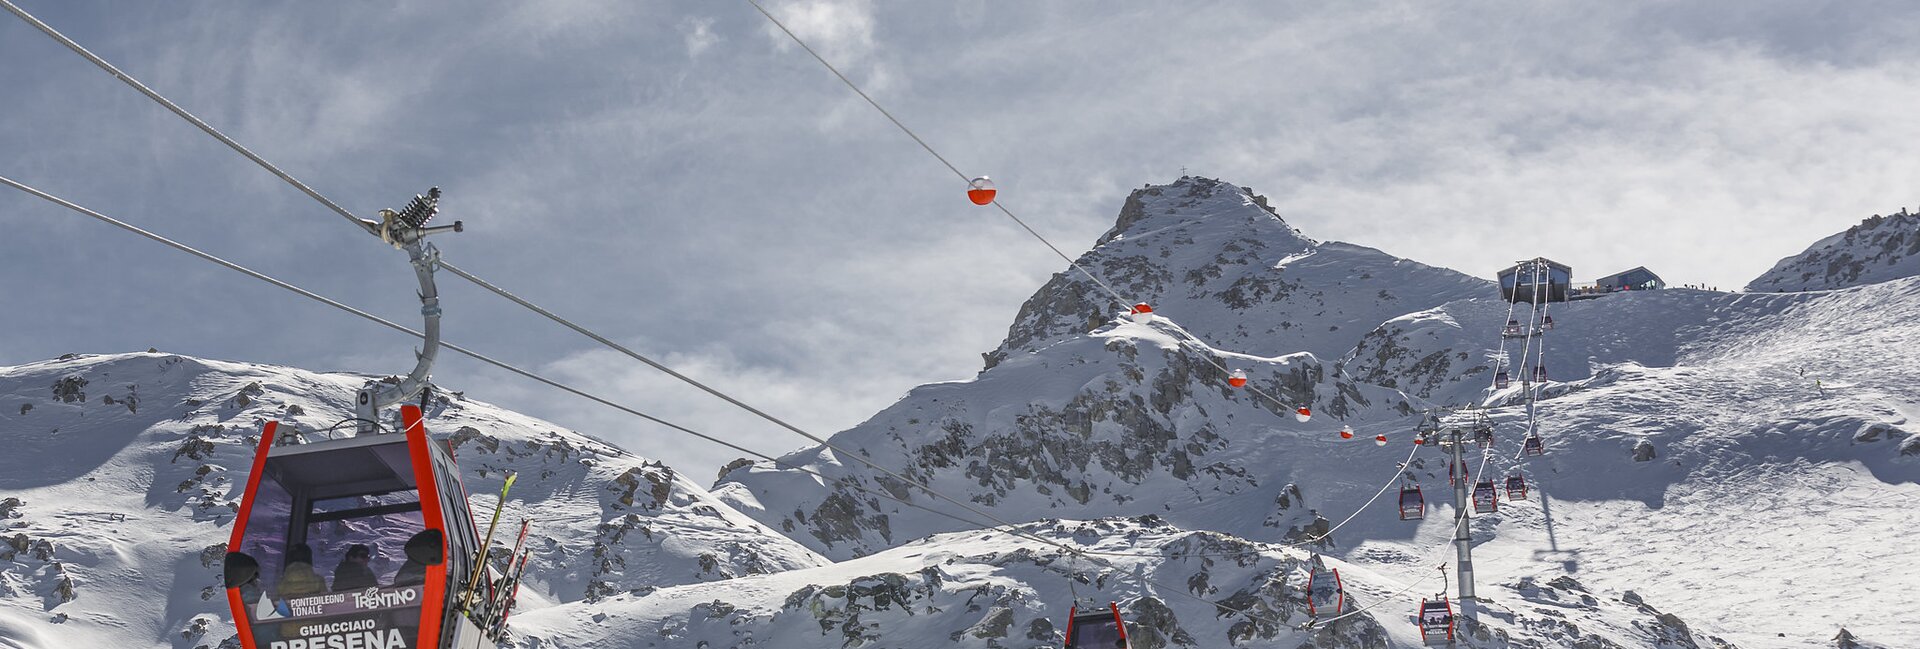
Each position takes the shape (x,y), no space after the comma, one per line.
(1502,370)
(1208,353)
(936,154)
(1390,597)
(177,110)
(1118,299)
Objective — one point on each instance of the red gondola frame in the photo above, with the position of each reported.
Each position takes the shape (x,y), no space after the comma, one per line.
(439,493)
(1419,508)
(1486,499)
(1533,446)
(1314,575)
(1431,625)
(1516,487)
(1074,618)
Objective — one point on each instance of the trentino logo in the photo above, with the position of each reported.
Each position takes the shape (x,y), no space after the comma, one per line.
(373,598)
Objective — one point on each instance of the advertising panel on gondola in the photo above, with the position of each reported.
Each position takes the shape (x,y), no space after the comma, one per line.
(377,618)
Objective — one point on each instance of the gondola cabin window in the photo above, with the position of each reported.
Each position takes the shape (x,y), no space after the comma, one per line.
(360,541)
(1096,632)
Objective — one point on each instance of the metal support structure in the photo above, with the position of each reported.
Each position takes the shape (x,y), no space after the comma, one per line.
(407,231)
(1462,500)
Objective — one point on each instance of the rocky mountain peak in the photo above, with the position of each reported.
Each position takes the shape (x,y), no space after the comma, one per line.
(1878,249)
(1157,206)
(1218,259)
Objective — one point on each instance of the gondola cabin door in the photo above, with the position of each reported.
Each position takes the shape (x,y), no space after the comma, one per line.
(357,542)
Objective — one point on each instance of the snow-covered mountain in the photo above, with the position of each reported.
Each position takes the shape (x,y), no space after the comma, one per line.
(1214,257)
(120,475)
(1723,469)
(1126,420)
(1085,414)
(1880,248)
(1652,398)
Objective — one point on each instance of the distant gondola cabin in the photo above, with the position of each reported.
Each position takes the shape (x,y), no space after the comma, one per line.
(1638,279)
(1535,281)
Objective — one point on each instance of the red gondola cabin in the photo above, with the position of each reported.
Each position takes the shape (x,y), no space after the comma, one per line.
(1326,596)
(1096,629)
(362,541)
(1413,505)
(1533,446)
(1436,621)
(1486,500)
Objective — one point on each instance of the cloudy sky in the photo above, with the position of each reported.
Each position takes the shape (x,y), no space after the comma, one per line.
(679,176)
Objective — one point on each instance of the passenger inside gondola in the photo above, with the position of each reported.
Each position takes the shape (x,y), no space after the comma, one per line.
(362,535)
(354,572)
(422,550)
(299,578)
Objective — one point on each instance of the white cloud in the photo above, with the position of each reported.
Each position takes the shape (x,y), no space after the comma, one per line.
(699,35)
(841,30)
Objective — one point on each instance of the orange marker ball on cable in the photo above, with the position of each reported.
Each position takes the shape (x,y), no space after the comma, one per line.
(980,191)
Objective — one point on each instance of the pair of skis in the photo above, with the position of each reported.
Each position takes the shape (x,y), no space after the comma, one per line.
(492,617)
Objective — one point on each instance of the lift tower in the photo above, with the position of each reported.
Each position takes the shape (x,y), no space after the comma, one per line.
(1462,501)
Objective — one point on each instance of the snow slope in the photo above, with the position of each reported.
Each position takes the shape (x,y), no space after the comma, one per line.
(982,590)
(1127,420)
(1772,506)
(1880,248)
(120,475)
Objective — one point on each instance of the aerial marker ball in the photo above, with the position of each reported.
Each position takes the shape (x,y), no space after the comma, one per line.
(980,191)
(1141,313)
